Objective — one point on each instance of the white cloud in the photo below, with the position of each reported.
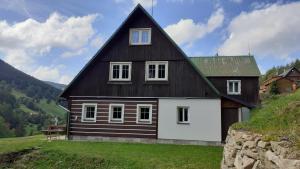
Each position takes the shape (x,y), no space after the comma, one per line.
(273,30)
(69,54)
(24,43)
(186,31)
(51,73)
(97,42)
(237,1)
(145,3)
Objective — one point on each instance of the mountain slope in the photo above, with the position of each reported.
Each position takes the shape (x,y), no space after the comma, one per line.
(56,85)
(26,104)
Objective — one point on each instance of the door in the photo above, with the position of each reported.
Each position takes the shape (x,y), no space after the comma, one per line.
(229,116)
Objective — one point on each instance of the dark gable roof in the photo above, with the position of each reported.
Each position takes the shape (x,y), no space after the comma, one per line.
(139,7)
(227,66)
(285,73)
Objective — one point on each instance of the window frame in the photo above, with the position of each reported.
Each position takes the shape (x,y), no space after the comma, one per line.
(110,115)
(121,64)
(234,92)
(156,63)
(177,113)
(140,30)
(138,116)
(83,112)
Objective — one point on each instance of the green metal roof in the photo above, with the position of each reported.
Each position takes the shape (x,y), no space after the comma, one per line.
(226,65)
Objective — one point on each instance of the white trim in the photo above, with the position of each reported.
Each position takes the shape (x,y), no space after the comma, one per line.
(110,118)
(140,30)
(234,92)
(138,120)
(240,114)
(83,113)
(113,129)
(125,101)
(129,64)
(113,133)
(118,125)
(121,97)
(156,63)
(184,121)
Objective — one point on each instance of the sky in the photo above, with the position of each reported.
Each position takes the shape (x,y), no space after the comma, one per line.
(52,39)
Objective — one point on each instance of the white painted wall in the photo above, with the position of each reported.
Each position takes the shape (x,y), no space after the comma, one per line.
(205,120)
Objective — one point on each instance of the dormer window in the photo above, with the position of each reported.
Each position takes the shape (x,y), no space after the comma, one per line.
(140,36)
(120,71)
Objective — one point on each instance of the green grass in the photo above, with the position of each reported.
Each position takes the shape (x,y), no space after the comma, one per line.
(279,117)
(83,154)
(20,143)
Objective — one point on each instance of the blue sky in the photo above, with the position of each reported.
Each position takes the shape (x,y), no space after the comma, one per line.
(53,39)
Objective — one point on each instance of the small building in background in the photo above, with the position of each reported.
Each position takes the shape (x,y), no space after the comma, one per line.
(287,82)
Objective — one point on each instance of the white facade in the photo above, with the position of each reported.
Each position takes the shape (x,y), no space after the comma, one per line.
(204,120)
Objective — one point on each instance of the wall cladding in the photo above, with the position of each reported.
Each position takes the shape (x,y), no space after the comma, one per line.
(102,127)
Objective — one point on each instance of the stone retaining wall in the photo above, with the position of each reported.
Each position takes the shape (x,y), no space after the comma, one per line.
(245,150)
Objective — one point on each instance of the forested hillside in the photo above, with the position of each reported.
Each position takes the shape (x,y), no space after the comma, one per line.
(26,104)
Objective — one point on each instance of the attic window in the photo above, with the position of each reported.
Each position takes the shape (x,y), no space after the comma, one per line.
(140,36)
(234,87)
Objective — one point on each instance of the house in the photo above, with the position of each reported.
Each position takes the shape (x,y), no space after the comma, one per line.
(286,82)
(141,86)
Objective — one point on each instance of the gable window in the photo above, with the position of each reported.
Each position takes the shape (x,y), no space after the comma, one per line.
(144,113)
(140,36)
(156,70)
(116,113)
(234,87)
(120,71)
(89,111)
(183,115)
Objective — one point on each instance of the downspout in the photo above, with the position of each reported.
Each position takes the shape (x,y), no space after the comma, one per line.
(68,117)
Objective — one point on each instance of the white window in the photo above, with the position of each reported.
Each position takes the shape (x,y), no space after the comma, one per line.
(89,111)
(183,115)
(116,113)
(144,113)
(156,70)
(234,87)
(140,36)
(120,71)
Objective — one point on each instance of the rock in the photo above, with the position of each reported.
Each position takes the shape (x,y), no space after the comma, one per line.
(249,153)
(263,144)
(247,163)
(290,164)
(238,161)
(281,148)
(257,139)
(272,157)
(249,145)
(229,156)
(256,164)
(248,137)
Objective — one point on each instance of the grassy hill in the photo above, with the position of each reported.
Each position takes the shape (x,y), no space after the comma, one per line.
(26,104)
(85,154)
(278,118)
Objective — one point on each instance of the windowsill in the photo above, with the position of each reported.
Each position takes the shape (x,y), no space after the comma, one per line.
(120,82)
(144,122)
(142,44)
(166,82)
(115,121)
(85,120)
(234,94)
(183,123)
